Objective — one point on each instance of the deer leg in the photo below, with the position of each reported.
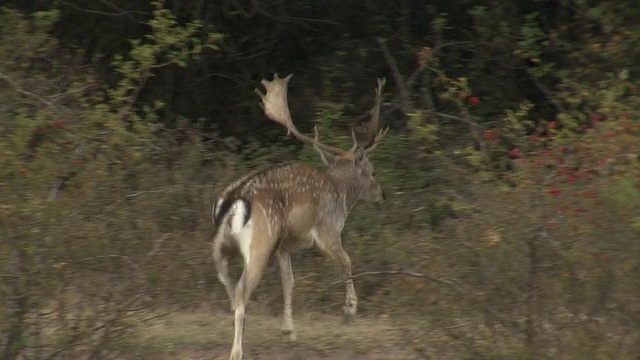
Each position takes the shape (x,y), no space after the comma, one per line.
(239,318)
(351,300)
(221,260)
(286,274)
(248,281)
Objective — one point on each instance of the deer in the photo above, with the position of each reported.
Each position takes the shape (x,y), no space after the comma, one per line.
(282,208)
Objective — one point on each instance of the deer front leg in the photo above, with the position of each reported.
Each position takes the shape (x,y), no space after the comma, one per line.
(286,274)
(351,300)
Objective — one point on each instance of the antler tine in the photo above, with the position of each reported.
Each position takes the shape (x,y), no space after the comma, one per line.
(376,135)
(377,139)
(316,138)
(355,141)
(276,107)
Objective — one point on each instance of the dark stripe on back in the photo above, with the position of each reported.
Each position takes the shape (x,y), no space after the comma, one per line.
(235,194)
(221,211)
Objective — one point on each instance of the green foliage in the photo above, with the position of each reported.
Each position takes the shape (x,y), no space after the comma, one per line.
(168,44)
(70,172)
(425,132)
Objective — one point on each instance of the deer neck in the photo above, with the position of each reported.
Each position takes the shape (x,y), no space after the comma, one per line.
(347,186)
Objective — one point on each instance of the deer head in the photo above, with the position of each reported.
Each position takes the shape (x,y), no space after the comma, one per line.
(350,168)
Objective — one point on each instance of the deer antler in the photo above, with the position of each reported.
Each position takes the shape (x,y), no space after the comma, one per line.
(376,135)
(276,107)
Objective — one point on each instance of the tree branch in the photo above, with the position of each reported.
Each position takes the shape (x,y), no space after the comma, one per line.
(63,179)
(395,70)
(120,13)
(453,284)
(128,107)
(26,93)
(462,119)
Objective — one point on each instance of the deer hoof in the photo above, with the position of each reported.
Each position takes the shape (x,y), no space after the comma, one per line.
(348,315)
(290,334)
(236,354)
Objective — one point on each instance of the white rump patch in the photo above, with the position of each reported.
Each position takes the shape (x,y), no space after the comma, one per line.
(240,231)
(238,213)
(244,241)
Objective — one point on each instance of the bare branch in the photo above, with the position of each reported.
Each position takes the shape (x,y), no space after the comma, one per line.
(24,92)
(285,19)
(459,288)
(461,119)
(143,192)
(128,108)
(120,13)
(62,180)
(405,99)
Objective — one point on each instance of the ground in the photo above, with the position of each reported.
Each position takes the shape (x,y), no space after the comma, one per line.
(208,335)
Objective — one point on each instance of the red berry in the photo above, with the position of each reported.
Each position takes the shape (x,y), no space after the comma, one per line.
(473,100)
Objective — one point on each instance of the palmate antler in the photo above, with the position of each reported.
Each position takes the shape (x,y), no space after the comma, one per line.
(276,107)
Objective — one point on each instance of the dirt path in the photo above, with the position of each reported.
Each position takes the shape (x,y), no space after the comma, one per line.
(273,353)
(203,335)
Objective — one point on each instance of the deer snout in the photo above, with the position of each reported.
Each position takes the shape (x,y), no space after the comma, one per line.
(381,196)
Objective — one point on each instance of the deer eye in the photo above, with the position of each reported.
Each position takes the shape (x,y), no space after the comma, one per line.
(373,174)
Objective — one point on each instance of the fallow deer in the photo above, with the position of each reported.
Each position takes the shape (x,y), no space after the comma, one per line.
(287,207)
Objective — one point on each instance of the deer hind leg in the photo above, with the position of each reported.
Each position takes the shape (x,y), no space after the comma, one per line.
(286,274)
(222,252)
(255,261)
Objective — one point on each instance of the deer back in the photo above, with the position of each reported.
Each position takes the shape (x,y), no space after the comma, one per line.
(294,198)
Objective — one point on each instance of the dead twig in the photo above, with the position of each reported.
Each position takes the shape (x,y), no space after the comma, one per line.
(26,93)
(405,97)
(128,107)
(144,192)
(453,284)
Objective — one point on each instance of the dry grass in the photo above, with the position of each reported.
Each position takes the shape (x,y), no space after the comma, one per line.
(208,335)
